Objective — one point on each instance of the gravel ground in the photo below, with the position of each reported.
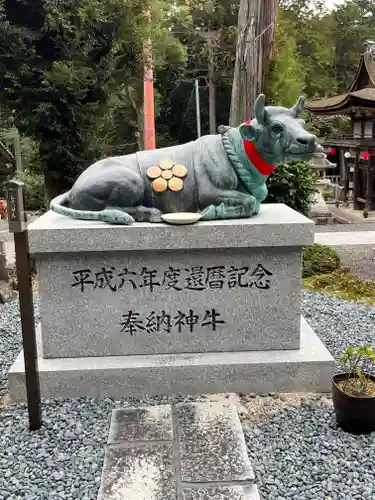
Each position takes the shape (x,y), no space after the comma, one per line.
(10,337)
(296,450)
(339,323)
(298,453)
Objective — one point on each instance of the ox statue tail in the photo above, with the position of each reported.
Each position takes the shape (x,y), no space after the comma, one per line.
(110,215)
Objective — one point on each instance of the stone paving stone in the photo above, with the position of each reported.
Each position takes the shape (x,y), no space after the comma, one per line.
(221,493)
(153,423)
(211,443)
(138,472)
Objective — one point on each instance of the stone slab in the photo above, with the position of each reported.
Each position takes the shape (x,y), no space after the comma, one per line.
(211,444)
(249,492)
(346,238)
(276,225)
(360,259)
(308,369)
(137,472)
(128,303)
(153,423)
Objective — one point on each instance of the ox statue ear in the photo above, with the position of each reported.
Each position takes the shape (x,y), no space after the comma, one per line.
(248,132)
(261,114)
(298,108)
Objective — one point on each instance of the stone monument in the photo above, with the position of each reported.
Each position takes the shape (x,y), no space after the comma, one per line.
(145,308)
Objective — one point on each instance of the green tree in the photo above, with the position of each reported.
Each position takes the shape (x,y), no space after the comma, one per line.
(59,62)
(192,22)
(354,24)
(286,77)
(72,71)
(312,27)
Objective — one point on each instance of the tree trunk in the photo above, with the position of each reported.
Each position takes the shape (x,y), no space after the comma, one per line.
(256,27)
(54,185)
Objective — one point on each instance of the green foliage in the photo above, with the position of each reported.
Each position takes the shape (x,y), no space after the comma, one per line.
(64,69)
(286,79)
(34,191)
(343,285)
(309,27)
(71,74)
(327,194)
(193,19)
(358,364)
(319,259)
(354,24)
(293,185)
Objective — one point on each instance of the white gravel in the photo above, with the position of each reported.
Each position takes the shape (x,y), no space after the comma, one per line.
(10,338)
(295,448)
(339,323)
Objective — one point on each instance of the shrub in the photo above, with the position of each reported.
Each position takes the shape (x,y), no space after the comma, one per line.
(319,259)
(34,191)
(327,194)
(293,185)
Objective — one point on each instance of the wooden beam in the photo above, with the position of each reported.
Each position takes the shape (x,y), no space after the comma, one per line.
(369,182)
(356,186)
(363,120)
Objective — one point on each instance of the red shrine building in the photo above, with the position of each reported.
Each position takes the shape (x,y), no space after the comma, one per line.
(354,152)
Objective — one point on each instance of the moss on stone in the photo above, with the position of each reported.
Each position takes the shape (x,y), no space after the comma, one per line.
(342,285)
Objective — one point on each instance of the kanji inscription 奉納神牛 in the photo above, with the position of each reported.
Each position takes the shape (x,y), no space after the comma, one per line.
(133,322)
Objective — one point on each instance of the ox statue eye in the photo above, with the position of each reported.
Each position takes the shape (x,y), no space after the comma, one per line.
(277,129)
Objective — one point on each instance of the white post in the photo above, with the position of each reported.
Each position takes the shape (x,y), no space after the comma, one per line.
(197,105)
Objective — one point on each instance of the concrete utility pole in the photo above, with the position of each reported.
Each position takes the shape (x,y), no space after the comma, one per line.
(210,37)
(197,107)
(211,88)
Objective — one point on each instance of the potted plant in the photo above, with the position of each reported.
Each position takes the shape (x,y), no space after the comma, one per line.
(353,391)
(337,203)
(365,213)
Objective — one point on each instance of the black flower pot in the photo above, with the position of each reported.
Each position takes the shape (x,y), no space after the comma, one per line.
(354,414)
(365,215)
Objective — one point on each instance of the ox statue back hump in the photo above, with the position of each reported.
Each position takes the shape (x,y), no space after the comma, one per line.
(220,176)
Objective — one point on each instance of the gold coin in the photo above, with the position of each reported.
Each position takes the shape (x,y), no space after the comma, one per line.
(179,171)
(166,164)
(167,174)
(175,184)
(154,172)
(159,185)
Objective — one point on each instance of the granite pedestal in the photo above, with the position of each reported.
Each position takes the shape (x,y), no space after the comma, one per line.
(126,307)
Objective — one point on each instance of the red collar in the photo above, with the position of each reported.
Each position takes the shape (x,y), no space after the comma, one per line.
(259,163)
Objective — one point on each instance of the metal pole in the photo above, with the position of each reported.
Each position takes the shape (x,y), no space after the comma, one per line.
(198,109)
(18,226)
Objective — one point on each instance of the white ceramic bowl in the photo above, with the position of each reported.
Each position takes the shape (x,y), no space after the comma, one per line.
(182,217)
